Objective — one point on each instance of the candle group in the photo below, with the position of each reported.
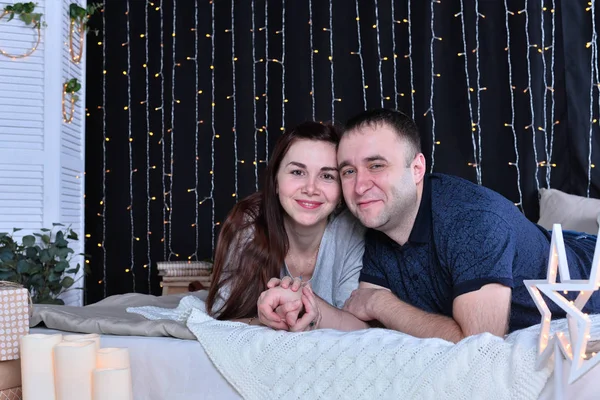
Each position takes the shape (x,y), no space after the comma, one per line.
(73,367)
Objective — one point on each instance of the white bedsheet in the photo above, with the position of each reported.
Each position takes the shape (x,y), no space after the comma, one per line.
(168,369)
(174,369)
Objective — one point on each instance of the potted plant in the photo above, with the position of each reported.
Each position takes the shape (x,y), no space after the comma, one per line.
(40,262)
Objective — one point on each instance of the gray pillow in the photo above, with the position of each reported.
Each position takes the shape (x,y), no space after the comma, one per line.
(574,213)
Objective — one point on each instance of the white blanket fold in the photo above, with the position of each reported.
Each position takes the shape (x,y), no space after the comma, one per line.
(374,363)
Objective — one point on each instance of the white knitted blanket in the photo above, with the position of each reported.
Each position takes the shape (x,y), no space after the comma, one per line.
(374,363)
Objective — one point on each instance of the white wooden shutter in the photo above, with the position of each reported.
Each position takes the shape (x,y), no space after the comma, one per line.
(41,157)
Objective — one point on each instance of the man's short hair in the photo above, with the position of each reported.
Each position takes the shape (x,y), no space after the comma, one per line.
(402,124)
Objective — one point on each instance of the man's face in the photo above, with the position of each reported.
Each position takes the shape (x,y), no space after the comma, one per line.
(379,187)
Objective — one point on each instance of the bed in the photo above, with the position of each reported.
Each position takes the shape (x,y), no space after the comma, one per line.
(176,352)
(179,369)
(169,363)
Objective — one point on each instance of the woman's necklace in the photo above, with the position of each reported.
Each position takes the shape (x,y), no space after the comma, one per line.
(302,266)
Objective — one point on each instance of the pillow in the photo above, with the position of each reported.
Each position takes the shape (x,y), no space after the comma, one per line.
(575,213)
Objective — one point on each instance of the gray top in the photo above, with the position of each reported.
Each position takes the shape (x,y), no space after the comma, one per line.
(338,263)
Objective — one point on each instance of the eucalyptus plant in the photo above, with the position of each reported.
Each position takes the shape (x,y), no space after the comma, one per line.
(40,262)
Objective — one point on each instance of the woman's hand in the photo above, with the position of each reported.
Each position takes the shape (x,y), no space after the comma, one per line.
(279,307)
(312,317)
(286,282)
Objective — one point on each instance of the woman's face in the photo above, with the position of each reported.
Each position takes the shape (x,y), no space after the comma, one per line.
(308,182)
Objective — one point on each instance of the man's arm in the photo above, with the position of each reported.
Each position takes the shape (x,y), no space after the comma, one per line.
(485,310)
(274,310)
(334,318)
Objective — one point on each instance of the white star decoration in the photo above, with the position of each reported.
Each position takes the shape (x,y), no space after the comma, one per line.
(573,348)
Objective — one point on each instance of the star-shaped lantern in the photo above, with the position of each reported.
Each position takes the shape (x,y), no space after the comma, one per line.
(573,347)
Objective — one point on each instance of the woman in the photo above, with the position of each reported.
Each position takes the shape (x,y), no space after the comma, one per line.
(294,227)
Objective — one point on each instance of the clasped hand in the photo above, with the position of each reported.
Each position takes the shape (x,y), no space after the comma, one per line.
(288,305)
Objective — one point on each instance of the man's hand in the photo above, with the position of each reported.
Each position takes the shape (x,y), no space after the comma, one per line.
(287,303)
(360,303)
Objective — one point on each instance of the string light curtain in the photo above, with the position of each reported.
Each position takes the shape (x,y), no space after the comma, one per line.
(186,99)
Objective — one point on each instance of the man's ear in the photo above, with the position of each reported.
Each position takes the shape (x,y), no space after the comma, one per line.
(419,168)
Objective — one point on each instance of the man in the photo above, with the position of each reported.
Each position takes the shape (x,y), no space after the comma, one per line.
(443,257)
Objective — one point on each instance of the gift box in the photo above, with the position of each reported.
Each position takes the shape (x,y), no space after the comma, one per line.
(11,394)
(14,321)
(10,375)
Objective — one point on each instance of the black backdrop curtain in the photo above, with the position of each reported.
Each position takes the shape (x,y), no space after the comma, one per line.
(194,94)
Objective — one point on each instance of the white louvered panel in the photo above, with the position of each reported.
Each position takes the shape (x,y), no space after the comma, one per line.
(14,114)
(17,48)
(24,101)
(22,124)
(72,213)
(21,88)
(24,64)
(21,196)
(72,133)
(19,85)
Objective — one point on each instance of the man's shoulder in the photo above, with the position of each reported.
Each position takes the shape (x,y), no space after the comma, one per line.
(456,198)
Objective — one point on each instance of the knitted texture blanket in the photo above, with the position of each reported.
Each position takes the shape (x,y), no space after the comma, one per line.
(262,363)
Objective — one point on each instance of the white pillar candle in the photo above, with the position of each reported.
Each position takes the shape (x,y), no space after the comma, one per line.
(112,384)
(88,336)
(115,358)
(73,366)
(37,371)
(112,357)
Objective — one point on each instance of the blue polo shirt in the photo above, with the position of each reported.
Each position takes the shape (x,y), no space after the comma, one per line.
(464,237)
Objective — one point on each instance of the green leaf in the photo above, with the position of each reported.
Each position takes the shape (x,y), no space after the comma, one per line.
(45,256)
(46,239)
(35,269)
(8,276)
(2,234)
(73,236)
(17,229)
(62,253)
(67,282)
(45,230)
(54,277)
(23,267)
(28,240)
(61,266)
(6,254)
(52,252)
(60,240)
(36,281)
(11,16)
(57,224)
(50,300)
(27,18)
(55,287)
(73,270)
(31,252)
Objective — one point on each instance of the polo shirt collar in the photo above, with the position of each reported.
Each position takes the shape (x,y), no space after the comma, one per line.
(421,230)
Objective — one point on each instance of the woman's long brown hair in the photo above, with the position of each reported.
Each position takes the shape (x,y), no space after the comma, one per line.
(261,256)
